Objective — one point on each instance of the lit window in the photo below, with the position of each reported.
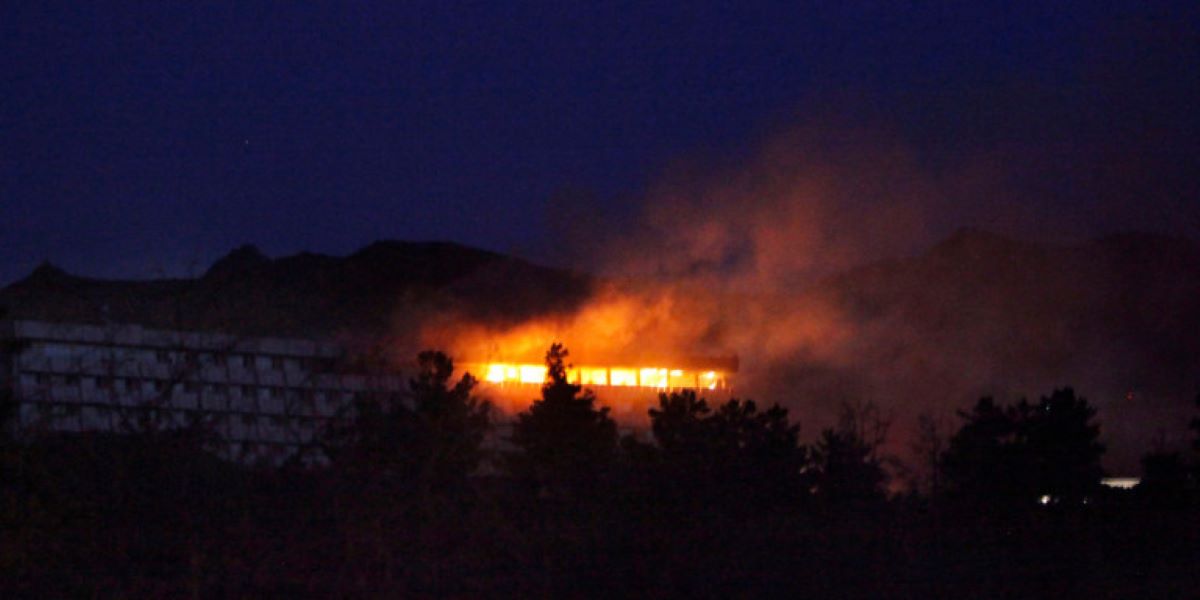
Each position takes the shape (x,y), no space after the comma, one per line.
(591,376)
(680,379)
(656,378)
(533,374)
(623,377)
(495,374)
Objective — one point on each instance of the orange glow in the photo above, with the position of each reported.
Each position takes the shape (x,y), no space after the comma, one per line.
(656,378)
(535,374)
(495,374)
(628,391)
(624,377)
(593,376)
(626,345)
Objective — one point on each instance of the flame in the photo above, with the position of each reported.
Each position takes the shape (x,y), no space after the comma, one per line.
(657,378)
(628,390)
(631,341)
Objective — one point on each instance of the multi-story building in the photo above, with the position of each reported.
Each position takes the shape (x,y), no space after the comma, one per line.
(262,398)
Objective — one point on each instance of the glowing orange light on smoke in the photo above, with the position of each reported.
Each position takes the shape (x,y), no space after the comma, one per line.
(625,346)
(658,378)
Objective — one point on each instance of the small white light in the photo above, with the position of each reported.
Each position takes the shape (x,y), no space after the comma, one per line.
(1045,499)
(1122,483)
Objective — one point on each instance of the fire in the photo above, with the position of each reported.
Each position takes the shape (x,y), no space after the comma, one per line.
(656,378)
(502,373)
(626,345)
(628,390)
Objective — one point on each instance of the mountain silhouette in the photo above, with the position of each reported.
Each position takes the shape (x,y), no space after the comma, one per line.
(1117,317)
(370,292)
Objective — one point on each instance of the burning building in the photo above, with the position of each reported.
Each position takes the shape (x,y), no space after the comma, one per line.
(627,344)
(628,387)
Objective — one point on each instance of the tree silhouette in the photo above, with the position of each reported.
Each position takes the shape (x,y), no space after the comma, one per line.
(680,423)
(1061,444)
(846,464)
(981,461)
(9,407)
(708,454)
(400,468)
(452,421)
(1195,426)
(928,448)
(1011,455)
(432,436)
(563,440)
(1164,478)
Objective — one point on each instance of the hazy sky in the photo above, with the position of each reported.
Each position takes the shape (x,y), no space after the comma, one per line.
(143,139)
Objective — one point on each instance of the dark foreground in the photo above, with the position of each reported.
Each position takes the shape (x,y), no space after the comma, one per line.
(403,498)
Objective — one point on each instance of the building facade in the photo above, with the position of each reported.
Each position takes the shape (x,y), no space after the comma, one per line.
(262,399)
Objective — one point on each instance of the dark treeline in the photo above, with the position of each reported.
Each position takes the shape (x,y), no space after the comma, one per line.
(417,495)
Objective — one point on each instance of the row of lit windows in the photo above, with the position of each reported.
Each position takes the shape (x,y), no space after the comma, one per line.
(655,377)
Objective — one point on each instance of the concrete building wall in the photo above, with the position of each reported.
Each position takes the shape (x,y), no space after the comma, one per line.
(262,398)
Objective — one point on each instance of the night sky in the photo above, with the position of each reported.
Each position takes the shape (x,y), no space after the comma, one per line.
(140,140)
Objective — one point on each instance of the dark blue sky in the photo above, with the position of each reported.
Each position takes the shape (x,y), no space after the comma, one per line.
(153,138)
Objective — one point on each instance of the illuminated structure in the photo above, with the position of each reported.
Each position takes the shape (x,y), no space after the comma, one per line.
(704,377)
(629,390)
(264,398)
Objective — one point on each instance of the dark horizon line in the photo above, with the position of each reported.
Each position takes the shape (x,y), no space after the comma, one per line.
(49,266)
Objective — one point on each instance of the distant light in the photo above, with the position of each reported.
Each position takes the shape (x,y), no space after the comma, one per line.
(1121,483)
(1045,499)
